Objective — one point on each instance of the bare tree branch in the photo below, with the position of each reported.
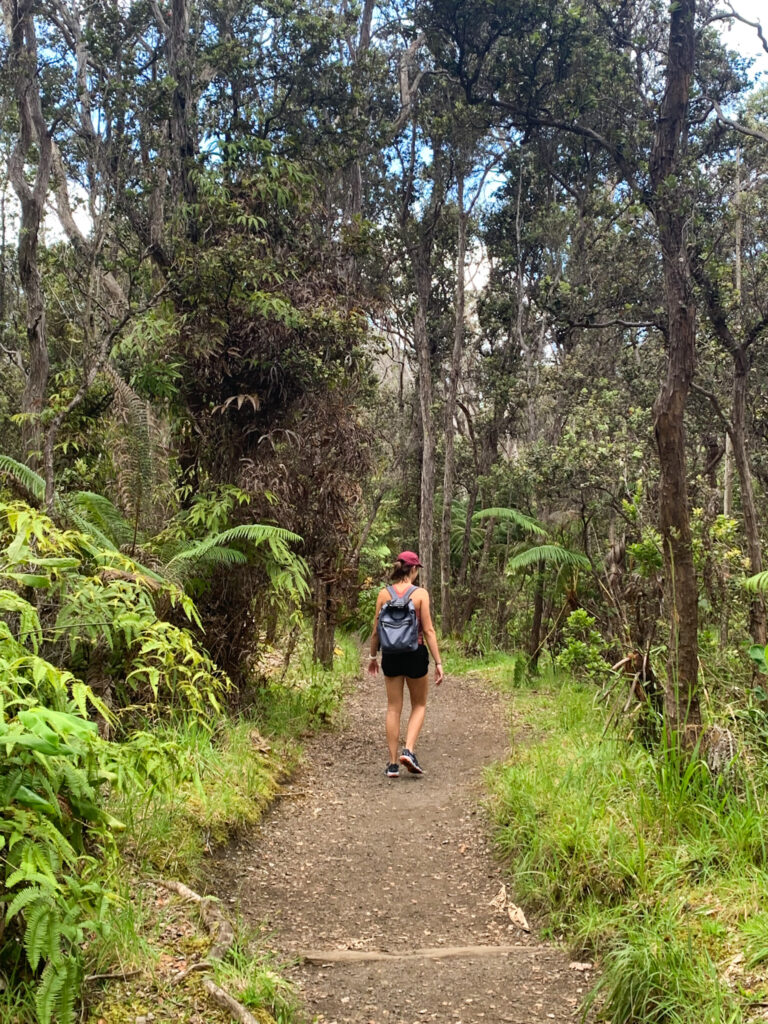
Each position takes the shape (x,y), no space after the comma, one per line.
(742,129)
(733,13)
(715,403)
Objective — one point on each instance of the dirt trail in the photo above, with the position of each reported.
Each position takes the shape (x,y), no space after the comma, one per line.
(350,866)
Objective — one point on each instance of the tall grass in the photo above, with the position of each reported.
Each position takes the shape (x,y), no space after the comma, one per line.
(642,859)
(304,696)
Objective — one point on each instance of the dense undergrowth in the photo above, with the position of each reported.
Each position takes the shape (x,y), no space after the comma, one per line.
(124,760)
(210,782)
(639,858)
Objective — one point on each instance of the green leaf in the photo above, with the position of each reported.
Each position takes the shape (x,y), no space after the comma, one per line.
(758,655)
(28,579)
(758,582)
(28,798)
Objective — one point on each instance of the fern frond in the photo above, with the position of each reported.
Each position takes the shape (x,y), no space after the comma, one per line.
(254,533)
(65,1004)
(224,556)
(507,515)
(36,934)
(32,482)
(549,554)
(23,899)
(90,532)
(99,510)
(757,583)
(52,981)
(135,485)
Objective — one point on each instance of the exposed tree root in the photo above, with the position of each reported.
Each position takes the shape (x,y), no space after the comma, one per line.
(223,936)
(217,926)
(226,1002)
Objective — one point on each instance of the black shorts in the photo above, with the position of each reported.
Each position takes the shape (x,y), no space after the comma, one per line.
(413,664)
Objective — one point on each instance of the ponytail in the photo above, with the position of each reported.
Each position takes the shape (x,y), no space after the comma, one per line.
(399,571)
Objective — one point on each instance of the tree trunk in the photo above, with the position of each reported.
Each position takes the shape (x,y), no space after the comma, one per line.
(183,115)
(421,343)
(738,435)
(728,477)
(736,340)
(534,644)
(324,627)
(23,64)
(475,580)
(669,209)
(450,414)
(471,500)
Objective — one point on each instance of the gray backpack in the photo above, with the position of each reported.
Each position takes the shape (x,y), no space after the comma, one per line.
(398,624)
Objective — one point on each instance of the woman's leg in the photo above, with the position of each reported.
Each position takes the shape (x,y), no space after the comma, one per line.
(394,711)
(418,689)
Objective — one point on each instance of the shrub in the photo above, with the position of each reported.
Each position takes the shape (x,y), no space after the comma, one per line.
(582,656)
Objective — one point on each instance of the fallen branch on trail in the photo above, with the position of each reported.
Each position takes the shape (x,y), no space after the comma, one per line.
(356,956)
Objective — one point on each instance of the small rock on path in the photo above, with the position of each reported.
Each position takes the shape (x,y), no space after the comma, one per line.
(351,860)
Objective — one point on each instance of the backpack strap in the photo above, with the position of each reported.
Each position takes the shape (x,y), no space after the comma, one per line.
(392,592)
(409,591)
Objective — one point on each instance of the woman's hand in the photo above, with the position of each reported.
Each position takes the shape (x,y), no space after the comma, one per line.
(438,674)
(373,666)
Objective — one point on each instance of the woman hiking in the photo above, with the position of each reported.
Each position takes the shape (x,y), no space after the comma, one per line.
(401,666)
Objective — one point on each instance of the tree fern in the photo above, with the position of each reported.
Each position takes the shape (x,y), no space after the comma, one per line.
(758,582)
(255,533)
(32,482)
(458,527)
(224,556)
(511,515)
(549,554)
(99,511)
(137,469)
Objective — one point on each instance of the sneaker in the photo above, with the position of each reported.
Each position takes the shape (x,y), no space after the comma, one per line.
(393,770)
(408,758)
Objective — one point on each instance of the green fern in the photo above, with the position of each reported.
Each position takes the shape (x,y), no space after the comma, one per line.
(511,515)
(549,554)
(65,1004)
(40,922)
(32,482)
(757,583)
(57,991)
(255,533)
(22,899)
(99,513)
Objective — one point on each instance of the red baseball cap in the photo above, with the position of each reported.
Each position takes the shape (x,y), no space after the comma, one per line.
(409,558)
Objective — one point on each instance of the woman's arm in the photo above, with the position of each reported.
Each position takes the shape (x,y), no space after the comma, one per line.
(430,636)
(373,662)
